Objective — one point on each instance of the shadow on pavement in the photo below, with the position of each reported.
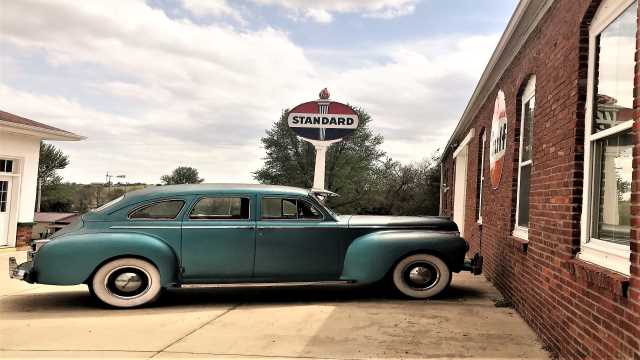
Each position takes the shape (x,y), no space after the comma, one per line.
(80,303)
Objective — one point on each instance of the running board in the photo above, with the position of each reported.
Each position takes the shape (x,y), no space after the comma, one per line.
(278,284)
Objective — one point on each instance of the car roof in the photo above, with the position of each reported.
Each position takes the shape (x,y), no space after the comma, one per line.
(200,189)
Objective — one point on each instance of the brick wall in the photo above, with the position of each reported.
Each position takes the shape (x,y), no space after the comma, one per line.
(579,310)
(23,235)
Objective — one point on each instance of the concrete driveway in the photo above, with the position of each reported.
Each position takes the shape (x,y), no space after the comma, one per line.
(312,322)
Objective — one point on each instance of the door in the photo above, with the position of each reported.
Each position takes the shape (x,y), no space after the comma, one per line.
(5,209)
(460,189)
(218,239)
(295,241)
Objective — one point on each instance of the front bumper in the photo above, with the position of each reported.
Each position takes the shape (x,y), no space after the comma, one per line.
(473,265)
(22,271)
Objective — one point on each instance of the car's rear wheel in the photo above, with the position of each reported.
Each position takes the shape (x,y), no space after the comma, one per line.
(421,276)
(127,283)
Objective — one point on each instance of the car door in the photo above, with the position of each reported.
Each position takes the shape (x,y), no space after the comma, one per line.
(218,239)
(295,241)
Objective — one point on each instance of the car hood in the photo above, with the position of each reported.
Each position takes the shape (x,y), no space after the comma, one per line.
(403,222)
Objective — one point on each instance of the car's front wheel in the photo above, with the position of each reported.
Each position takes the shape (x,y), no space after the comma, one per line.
(421,276)
(126,283)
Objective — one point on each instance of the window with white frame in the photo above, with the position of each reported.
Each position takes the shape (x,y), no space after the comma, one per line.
(525,160)
(480,182)
(606,229)
(6,166)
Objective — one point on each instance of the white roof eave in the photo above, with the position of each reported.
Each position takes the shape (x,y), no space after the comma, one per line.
(44,134)
(507,48)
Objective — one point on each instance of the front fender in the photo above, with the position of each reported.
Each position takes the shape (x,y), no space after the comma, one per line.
(71,259)
(370,257)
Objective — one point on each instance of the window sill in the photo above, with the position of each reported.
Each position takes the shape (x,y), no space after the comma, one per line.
(521,232)
(599,278)
(598,253)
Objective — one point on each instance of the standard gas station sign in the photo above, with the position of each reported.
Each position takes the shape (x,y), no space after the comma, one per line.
(323,119)
(322,122)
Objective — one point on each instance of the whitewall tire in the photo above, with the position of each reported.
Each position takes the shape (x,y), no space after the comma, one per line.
(127,283)
(421,276)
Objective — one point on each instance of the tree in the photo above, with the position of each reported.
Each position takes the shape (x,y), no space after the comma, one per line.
(412,189)
(182,175)
(52,159)
(350,168)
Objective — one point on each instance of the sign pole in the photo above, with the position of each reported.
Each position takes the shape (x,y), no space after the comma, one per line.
(321,157)
(319,172)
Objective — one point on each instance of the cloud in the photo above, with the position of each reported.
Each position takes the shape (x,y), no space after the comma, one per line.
(169,92)
(216,8)
(321,11)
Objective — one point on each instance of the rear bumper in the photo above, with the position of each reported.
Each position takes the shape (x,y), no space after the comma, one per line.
(473,265)
(22,271)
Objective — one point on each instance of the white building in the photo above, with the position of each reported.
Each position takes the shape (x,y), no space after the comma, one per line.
(19,151)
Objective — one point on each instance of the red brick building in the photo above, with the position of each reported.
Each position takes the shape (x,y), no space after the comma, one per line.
(542,173)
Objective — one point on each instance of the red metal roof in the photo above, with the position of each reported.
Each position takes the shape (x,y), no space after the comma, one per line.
(15,119)
(50,217)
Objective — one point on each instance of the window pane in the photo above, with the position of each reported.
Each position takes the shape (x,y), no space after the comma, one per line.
(523,196)
(307,211)
(277,208)
(3,164)
(4,188)
(615,61)
(289,208)
(527,131)
(612,188)
(271,208)
(9,166)
(162,210)
(480,181)
(221,208)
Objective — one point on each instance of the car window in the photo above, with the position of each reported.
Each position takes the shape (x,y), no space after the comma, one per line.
(221,208)
(308,211)
(164,210)
(282,208)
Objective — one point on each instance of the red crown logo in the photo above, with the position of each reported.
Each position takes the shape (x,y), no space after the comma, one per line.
(324,94)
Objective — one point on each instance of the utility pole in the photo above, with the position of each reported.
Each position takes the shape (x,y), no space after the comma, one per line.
(108,178)
(39,195)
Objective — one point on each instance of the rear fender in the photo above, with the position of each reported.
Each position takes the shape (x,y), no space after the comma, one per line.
(72,259)
(370,257)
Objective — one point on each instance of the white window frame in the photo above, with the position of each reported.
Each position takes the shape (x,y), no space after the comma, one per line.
(529,93)
(613,256)
(483,143)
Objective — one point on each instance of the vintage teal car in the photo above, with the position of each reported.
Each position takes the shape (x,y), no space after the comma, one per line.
(130,249)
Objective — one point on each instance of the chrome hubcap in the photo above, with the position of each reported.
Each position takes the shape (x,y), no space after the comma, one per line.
(420,275)
(128,282)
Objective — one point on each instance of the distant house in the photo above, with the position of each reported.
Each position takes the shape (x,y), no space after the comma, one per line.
(19,152)
(46,223)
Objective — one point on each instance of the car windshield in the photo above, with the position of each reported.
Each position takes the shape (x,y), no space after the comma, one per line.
(109,204)
(321,201)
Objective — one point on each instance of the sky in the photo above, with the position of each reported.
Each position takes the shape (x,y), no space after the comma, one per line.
(158,84)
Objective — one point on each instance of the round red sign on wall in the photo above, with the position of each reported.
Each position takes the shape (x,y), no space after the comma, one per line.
(498,145)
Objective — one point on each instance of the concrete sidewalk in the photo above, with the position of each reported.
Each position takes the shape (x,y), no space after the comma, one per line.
(315,322)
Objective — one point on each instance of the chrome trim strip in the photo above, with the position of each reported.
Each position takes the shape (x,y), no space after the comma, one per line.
(302,227)
(143,227)
(218,227)
(268,284)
